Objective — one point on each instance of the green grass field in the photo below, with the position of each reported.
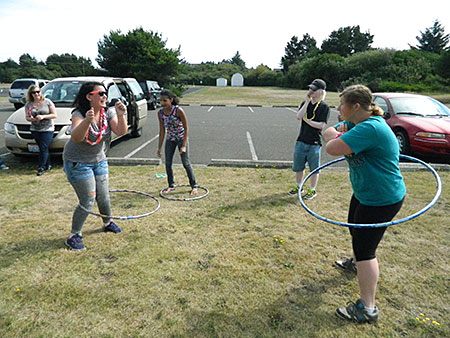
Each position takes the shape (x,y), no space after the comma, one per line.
(246,261)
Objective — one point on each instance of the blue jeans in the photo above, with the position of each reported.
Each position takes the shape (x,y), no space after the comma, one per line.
(169,152)
(303,153)
(43,140)
(91,183)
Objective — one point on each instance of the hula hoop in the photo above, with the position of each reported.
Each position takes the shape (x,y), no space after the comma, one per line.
(182,198)
(375,225)
(126,217)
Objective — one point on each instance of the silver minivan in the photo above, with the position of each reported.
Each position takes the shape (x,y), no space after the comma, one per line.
(18,90)
(62,92)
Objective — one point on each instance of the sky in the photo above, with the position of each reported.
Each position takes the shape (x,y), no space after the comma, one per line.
(209,30)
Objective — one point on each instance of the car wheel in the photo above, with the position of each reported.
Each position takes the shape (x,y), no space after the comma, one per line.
(152,106)
(18,105)
(403,141)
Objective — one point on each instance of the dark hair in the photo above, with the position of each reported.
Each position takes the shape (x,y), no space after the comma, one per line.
(170,95)
(81,103)
(362,95)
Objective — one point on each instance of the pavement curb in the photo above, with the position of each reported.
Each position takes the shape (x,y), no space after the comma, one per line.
(133,161)
(250,164)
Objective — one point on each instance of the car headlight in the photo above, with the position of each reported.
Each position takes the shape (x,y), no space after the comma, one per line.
(429,135)
(9,128)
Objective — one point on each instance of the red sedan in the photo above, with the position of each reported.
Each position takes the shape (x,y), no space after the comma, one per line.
(420,123)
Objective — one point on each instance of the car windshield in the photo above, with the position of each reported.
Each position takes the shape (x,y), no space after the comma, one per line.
(24,84)
(422,106)
(61,91)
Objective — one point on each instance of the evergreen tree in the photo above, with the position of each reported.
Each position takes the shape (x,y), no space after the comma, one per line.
(433,40)
(347,41)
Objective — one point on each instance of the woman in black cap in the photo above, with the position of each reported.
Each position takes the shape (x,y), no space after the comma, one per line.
(313,113)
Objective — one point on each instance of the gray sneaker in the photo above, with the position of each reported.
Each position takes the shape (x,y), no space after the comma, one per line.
(356,312)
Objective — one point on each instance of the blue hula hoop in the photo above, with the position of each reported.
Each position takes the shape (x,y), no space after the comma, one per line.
(158,205)
(375,225)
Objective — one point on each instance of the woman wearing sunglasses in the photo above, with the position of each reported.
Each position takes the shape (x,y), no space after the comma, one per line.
(40,112)
(84,157)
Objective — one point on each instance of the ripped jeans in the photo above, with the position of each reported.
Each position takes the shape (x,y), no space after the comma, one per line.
(91,183)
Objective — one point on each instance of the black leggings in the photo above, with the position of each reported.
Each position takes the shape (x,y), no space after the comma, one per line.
(365,240)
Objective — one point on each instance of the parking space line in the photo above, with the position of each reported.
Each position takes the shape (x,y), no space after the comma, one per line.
(141,147)
(5,154)
(291,109)
(251,109)
(210,109)
(252,148)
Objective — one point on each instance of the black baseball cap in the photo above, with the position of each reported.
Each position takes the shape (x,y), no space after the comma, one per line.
(318,84)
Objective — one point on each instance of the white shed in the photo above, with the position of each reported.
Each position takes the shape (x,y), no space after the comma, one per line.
(221,82)
(237,80)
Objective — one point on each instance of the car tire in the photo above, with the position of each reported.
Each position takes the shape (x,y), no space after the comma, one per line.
(18,105)
(403,141)
(152,106)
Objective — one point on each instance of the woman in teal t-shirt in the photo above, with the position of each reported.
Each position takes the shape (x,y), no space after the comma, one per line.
(371,150)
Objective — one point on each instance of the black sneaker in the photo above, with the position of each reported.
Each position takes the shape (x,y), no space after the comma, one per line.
(75,242)
(48,168)
(356,312)
(112,227)
(40,171)
(347,264)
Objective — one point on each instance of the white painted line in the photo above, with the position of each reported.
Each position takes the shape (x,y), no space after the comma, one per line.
(5,154)
(210,109)
(141,147)
(251,109)
(252,148)
(292,109)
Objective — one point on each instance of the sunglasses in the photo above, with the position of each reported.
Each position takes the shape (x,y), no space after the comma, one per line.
(100,93)
(36,92)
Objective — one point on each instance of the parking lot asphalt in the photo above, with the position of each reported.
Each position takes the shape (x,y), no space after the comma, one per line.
(219,135)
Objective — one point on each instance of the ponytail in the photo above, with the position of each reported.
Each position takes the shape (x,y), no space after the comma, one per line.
(167,93)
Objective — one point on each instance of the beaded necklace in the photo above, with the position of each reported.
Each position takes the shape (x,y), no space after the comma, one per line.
(314,112)
(97,135)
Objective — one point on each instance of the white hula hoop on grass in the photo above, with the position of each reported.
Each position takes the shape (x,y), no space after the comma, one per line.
(375,225)
(127,217)
(161,193)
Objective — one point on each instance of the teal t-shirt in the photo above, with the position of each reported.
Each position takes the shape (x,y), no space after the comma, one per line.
(374,167)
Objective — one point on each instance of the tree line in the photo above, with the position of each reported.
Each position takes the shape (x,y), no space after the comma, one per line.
(345,57)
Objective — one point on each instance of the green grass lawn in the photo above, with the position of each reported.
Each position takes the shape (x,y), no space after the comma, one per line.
(246,261)
(266,96)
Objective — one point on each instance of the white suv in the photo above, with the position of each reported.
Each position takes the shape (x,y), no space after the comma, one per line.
(19,88)
(62,92)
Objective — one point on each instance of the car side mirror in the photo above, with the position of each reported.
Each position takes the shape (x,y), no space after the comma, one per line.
(386,115)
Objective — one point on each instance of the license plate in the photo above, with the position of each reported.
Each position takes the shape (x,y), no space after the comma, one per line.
(33,148)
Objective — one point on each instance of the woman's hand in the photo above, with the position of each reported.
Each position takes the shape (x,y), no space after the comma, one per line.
(342,128)
(121,109)
(90,116)
(158,153)
(38,118)
(182,149)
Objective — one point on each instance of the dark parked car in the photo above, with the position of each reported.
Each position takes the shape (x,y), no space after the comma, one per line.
(420,123)
(152,93)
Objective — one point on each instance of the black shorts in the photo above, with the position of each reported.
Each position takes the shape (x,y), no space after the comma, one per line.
(365,240)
